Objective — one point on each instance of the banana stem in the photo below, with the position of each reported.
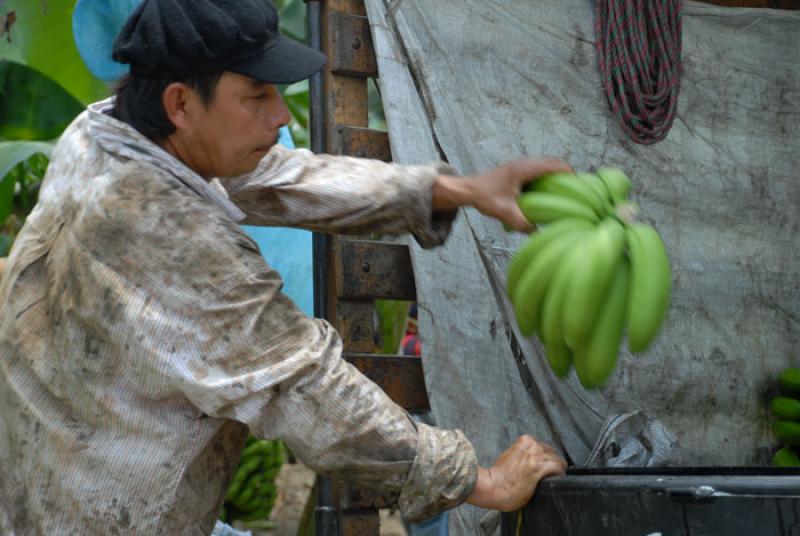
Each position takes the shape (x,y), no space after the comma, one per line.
(627,212)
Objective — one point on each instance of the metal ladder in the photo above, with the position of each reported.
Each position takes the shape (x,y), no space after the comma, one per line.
(350,273)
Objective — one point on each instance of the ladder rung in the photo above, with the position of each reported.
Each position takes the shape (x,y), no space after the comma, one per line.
(369,270)
(401,377)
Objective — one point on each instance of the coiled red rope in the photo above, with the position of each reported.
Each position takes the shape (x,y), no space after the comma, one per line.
(639,54)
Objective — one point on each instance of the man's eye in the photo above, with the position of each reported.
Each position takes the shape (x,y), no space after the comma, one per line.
(259,96)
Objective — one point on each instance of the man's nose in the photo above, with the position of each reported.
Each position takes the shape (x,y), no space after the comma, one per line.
(280,116)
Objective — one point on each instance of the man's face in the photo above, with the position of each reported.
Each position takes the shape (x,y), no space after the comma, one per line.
(231,134)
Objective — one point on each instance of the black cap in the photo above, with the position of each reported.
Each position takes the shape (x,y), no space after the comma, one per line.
(179,38)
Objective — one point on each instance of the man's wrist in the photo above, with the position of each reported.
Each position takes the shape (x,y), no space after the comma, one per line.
(483,495)
(450,193)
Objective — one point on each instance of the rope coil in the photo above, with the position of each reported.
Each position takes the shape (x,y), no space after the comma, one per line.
(638,50)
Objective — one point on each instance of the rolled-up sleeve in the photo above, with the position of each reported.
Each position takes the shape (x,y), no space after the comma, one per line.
(341,194)
(255,358)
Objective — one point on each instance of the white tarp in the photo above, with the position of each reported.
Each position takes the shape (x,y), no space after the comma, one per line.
(480,82)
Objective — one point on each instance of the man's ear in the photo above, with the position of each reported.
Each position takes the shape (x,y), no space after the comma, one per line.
(176,100)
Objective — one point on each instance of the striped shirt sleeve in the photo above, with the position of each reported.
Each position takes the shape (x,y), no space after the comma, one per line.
(341,194)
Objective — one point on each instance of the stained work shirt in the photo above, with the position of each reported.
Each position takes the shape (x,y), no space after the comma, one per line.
(142,334)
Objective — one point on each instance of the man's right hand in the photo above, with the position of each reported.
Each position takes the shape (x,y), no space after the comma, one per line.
(513,479)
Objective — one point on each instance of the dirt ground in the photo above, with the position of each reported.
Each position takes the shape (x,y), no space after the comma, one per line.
(294,483)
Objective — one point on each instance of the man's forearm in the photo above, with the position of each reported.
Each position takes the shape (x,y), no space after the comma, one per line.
(450,193)
(338,194)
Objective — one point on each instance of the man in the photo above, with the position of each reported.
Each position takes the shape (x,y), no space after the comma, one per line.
(142,334)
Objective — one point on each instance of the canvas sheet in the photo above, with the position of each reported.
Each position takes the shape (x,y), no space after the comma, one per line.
(480,82)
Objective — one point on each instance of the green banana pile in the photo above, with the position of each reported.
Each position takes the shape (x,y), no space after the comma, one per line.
(786,409)
(252,492)
(589,270)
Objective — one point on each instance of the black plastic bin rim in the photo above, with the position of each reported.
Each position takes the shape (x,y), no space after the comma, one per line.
(687,471)
(703,483)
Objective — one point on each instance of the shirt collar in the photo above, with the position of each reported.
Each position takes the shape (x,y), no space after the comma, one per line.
(123,140)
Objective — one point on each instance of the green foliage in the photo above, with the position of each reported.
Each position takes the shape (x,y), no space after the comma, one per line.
(293,18)
(22,167)
(16,153)
(42,34)
(377,118)
(392,317)
(33,106)
(293,25)
(297,100)
(43,86)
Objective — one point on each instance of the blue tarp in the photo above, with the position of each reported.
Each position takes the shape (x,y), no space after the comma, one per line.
(289,252)
(95,24)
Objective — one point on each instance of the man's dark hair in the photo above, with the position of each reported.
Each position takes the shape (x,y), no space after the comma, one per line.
(138,101)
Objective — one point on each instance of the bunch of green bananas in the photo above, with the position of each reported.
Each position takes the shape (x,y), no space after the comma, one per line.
(251,494)
(787,426)
(589,269)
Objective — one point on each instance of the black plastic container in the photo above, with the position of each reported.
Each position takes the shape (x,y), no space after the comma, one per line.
(666,502)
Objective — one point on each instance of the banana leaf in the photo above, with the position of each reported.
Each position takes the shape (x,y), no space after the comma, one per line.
(43,34)
(32,106)
(13,153)
(296,98)
(293,19)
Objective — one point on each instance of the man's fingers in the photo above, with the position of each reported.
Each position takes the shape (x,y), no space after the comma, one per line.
(529,441)
(518,221)
(549,449)
(554,467)
(533,168)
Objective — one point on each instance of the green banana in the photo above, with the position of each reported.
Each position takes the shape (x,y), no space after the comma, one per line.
(270,461)
(272,472)
(558,355)
(596,357)
(787,431)
(533,283)
(786,457)
(590,280)
(785,407)
(249,463)
(255,503)
(252,491)
(789,380)
(571,186)
(233,490)
(257,448)
(249,491)
(283,452)
(599,187)
(541,207)
(535,244)
(266,488)
(618,184)
(244,496)
(261,513)
(246,468)
(651,285)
